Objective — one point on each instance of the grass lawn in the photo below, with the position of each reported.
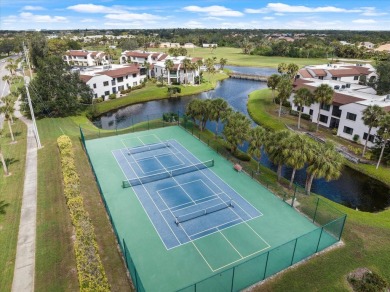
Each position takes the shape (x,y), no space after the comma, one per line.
(152,92)
(264,112)
(55,262)
(11,192)
(236,57)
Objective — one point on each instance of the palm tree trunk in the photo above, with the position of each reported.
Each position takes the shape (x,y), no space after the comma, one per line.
(273,95)
(10,130)
(3,163)
(280,107)
(292,178)
(309,184)
(299,119)
(365,144)
(318,117)
(216,128)
(279,171)
(380,157)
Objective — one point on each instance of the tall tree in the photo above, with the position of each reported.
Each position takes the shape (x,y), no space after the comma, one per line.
(298,151)
(384,133)
(168,67)
(371,117)
(383,82)
(210,66)
(283,68)
(303,97)
(55,91)
(222,63)
(8,110)
(272,82)
(284,91)
(257,138)
(2,160)
(199,110)
(217,108)
(325,162)
(292,70)
(274,147)
(323,94)
(187,67)
(199,63)
(236,130)
(38,48)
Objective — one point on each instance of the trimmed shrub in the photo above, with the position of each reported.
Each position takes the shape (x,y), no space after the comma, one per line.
(91,274)
(368,281)
(355,138)
(112,96)
(170,117)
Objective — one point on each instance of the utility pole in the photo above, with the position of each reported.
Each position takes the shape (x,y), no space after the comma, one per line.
(35,128)
(27,60)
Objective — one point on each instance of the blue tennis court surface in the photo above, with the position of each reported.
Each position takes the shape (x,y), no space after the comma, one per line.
(183,198)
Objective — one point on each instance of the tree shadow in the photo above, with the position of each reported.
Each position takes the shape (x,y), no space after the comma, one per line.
(3,205)
(9,161)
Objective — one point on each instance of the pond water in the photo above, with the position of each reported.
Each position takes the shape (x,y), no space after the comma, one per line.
(352,189)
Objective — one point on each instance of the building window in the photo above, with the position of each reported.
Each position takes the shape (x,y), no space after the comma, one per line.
(120,88)
(106,93)
(94,85)
(135,83)
(323,119)
(325,107)
(348,130)
(311,112)
(105,83)
(113,82)
(351,116)
(127,76)
(300,109)
(334,78)
(134,75)
(95,95)
(355,77)
(114,90)
(371,138)
(120,79)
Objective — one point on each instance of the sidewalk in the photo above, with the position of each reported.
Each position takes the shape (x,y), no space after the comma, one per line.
(24,272)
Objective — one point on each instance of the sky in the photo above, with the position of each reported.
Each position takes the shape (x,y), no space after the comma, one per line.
(259,14)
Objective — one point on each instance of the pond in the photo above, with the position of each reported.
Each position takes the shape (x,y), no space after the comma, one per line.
(352,189)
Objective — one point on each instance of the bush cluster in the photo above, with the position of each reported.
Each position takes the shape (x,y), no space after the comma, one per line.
(90,270)
(370,281)
(303,115)
(170,117)
(112,96)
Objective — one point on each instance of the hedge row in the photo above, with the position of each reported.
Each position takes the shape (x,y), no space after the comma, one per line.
(89,266)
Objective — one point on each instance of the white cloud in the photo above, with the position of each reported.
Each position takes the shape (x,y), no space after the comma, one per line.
(367,21)
(285,8)
(33,8)
(268,18)
(27,16)
(371,11)
(194,24)
(92,8)
(214,10)
(133,16)
(88,20)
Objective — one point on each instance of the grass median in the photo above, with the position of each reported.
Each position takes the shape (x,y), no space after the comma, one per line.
(11,199)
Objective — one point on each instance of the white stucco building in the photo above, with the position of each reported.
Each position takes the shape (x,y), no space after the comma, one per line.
(85,58)
(105,80)
(349,100)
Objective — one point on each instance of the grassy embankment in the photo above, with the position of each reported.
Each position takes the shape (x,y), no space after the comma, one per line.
(152,92)
(55,261)
(264,112)
(11,192)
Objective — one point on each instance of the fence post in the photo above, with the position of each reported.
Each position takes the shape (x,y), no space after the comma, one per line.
(192,130)
(148,120)
(319,239)
(295,246)
(342,227)
(266,265)
(293,199)
(125,253)
(116,130)
(199,136)
(231,288)
(178,118)
(315,212)
(99,133)
(136,280)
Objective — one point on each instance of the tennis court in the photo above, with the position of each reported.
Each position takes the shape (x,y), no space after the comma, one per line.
(183,214)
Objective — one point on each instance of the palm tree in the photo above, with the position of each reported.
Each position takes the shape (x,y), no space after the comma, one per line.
(283,68)
(371,117)
(147,67)
(210,66)
(274,147)
(302,97)
(217,108)
(236,130)
(257,138)
(199,110)
(323,94)
(292,70)
(272,82)
(199,63)
(8,111)
(384,132)
(325,162)
(284,91)
(5,168)
(169,66)
(297,151)
(7,79)
(222,63)
(187,66)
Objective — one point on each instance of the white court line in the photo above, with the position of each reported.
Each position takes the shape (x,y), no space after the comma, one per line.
(231,244)
(182,184)
(141,136)
(216,197)
(147,214)
(154,205)
(216,227)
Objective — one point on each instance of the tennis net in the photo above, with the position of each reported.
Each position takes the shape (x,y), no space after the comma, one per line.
(148,147)
(202,212)
(166,174)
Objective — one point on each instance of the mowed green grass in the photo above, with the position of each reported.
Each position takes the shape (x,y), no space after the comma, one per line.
(11,192)
(55,259)
(236,57)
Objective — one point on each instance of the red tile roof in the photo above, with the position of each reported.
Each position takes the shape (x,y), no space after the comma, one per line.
(341,99)
(77,53)
(132,69)
(361,69)
(345,72)
(137,54)
(304,73)
(195,59)
(319,72)
(85,78)
(162,57)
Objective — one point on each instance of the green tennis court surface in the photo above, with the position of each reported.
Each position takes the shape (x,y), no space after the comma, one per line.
(256,247)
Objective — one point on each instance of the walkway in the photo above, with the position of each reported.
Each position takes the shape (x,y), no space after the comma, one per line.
(24,272)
